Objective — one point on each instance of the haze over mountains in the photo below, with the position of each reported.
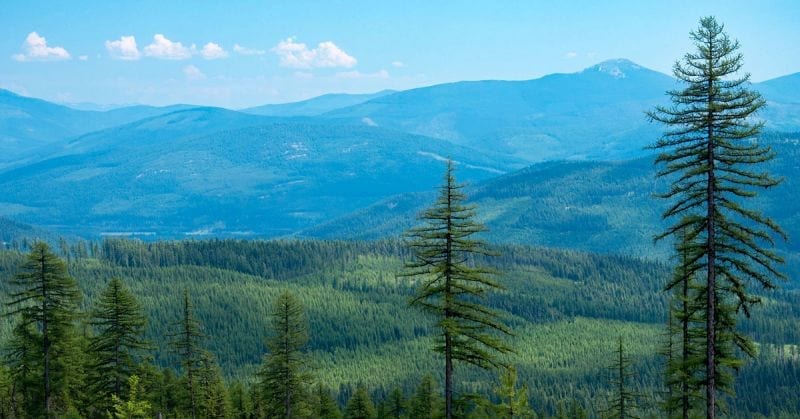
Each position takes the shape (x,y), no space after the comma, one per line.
(359,166)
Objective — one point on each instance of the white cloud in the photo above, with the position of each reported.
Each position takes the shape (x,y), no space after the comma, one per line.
(123,48)
(570,55)
(247,51)
(326,54)
(382,74)
(193,73)
(398,64)
(212,51)
(165,49)
(35,49)
(84,58)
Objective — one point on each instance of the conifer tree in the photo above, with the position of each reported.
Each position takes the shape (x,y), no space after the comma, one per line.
(186,343)
(133,408)
(45,300)
(394,406)
(513,400)
(685,338)
(360,405)
(282,373)
(241,406)
(623,400)
(213,402)
(452,284)
(323,405)
(425,403)
(708,151)
(119,323)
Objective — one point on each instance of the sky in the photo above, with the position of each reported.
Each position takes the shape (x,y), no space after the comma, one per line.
(237,54)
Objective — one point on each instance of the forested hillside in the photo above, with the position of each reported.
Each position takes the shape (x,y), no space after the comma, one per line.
(566,309)
(595,206)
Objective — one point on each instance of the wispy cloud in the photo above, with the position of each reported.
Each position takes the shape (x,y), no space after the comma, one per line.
(165,49)
(247,51)
(570,55)
(35,48)
(398,64)
(326,54)
(124,48)
(193,73)
(212,51)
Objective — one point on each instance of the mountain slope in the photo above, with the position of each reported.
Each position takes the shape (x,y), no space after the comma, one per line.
(597,206)
(216,171)
(596,113)
(315,106)
(27,124)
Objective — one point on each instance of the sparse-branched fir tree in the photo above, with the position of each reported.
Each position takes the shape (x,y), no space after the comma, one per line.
(283,376)
(622,402)
(119,324)
(452,284)
(360,405)
(709,151)
(187,344)
(513,399)
(45,301)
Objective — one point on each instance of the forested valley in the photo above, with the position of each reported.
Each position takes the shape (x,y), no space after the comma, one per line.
(369,285)
(566,309)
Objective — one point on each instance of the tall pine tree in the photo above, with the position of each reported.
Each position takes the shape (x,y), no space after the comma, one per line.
(282,373)
(452,284)
(45,300)
(119,323)
(709,151)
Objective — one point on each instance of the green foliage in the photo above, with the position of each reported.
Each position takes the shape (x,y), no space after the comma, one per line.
(282,373)
(513,401)
(708,152)
(426,402)
(120,325)
(360,405)
(186,342)
(562,306)
(323,405)
(213,401)
(622,402)
(452,285)
(133,408)
(45,347)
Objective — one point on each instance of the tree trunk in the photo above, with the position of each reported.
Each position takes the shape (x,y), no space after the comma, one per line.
(711,294)
(685,347)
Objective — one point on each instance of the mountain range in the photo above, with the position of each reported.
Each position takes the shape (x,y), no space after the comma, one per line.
(558,160)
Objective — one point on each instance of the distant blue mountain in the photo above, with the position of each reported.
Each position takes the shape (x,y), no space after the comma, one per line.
(27,124)
(216,171)
(317,105)
(596,113)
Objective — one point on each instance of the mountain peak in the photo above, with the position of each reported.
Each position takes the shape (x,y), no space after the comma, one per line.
(618,68)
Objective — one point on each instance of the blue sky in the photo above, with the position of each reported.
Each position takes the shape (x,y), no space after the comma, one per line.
(245,53)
